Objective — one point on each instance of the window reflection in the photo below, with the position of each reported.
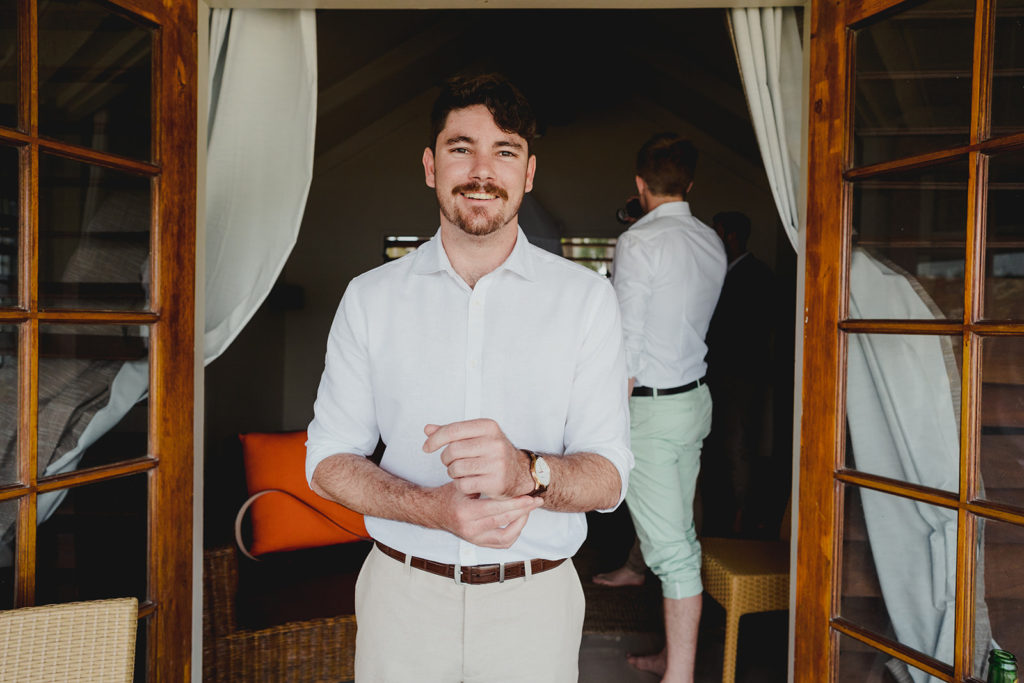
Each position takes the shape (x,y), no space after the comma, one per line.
(8,510)
(9,64)
(1000,590)
(1004,263)
(903,408)
(910,98)
(94,234)
(94,78)
(8,411)
(1008,62)
(94,545)
(8,226)
(1002,420)
(909,237)
(899,571)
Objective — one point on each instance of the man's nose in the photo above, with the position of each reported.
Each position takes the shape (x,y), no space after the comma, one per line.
(483,168)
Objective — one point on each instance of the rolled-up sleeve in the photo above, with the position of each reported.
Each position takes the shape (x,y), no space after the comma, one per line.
(344,420)
(598,416)
(632,280)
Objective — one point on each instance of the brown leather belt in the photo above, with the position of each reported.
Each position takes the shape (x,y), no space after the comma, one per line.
(476,574)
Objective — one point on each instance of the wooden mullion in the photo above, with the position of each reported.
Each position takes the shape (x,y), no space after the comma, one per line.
(963,632)
(918,327)
(71,316)
(981,81)
(820,437)
(95,474)
(904,489)
(996,511)
(172,368)
(28,440)
(892,648)
(97,158)
(905,164)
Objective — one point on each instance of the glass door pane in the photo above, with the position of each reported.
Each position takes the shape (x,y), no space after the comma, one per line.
(9,244)
(911,98)
(9,64)
(94,236)
(95,78)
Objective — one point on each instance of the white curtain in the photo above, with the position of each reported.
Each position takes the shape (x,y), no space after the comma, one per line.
(259,167)
(903,408)
(769,55)
(260,158)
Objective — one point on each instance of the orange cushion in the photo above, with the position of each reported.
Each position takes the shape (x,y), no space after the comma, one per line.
(279,521)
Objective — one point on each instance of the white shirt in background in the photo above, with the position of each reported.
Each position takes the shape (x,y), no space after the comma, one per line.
(668,271)
(536,345)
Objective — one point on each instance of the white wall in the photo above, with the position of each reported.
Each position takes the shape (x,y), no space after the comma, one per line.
(376,188)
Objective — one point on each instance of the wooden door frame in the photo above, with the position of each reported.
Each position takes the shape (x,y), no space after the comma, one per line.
(202,85)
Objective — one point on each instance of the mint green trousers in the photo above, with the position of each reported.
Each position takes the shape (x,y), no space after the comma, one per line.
(667,433)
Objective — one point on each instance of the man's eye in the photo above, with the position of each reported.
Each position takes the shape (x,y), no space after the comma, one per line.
(460,150)
(506,153)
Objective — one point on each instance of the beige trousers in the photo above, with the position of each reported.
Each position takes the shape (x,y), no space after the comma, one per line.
(415,626)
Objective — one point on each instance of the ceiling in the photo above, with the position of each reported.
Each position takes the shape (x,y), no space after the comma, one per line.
(567,62)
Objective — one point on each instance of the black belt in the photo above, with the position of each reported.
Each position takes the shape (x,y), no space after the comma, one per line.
(476,574)
(648,391)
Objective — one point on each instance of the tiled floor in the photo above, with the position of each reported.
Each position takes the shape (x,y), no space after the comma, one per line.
(762,657)
(628,620)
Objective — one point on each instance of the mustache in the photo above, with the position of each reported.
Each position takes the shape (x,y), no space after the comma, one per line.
(489,188)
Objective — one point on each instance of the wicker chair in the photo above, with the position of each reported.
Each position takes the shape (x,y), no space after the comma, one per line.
(745,577)
(298,652)
(75,642)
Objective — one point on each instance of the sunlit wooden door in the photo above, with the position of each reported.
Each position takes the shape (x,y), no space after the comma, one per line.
(911,517)
(97,252)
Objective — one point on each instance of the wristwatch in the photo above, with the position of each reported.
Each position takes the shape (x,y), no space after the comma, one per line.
(540,472)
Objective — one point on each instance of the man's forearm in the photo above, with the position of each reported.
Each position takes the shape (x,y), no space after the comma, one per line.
(361,485)
(581,482)
(364,487)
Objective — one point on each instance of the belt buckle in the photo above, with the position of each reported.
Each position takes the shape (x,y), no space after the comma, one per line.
(458,574)
(501,572)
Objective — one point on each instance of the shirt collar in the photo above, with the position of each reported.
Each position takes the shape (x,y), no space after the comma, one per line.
(666,209)
(432,258)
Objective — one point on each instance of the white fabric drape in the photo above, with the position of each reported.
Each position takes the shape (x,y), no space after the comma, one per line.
(769,55)
(259,160)
(259,167)
(903,405)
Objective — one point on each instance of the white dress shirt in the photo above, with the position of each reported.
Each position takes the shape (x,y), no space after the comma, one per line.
(668,272)
(536,345)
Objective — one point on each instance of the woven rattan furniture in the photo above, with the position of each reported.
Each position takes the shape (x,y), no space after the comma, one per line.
(744,576)
(298,652)
(76,642)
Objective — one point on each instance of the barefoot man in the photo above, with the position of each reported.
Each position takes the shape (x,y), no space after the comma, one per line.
(668,273)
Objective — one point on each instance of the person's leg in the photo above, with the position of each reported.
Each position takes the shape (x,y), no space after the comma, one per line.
(667,437)
(410,624)
(524,630)
(632,573)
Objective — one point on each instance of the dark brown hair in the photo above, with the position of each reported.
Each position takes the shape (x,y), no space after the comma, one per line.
(666,163)
(511,112)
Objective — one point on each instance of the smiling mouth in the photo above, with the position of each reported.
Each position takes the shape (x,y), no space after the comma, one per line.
(480,192)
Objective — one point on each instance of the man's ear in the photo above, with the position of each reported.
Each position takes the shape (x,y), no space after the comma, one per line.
(428,167)
(641,186)
(689,187)
(531,170)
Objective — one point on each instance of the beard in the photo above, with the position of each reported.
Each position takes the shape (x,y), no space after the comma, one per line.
(476,220)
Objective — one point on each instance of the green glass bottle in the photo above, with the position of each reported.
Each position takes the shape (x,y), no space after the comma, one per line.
(1002,667)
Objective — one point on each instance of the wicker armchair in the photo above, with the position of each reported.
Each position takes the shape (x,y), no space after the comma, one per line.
(75,642)
(309,651)
(746,576)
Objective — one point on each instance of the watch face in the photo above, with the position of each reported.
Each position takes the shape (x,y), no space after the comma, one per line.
(543,473)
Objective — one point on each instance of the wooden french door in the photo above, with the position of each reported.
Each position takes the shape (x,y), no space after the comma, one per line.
(911,516)
(97,253)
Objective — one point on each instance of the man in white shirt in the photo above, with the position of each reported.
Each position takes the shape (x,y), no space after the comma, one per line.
(494,372)
(668,273)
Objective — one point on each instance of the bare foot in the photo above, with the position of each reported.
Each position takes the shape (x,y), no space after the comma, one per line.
(623,576)
(655,664)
